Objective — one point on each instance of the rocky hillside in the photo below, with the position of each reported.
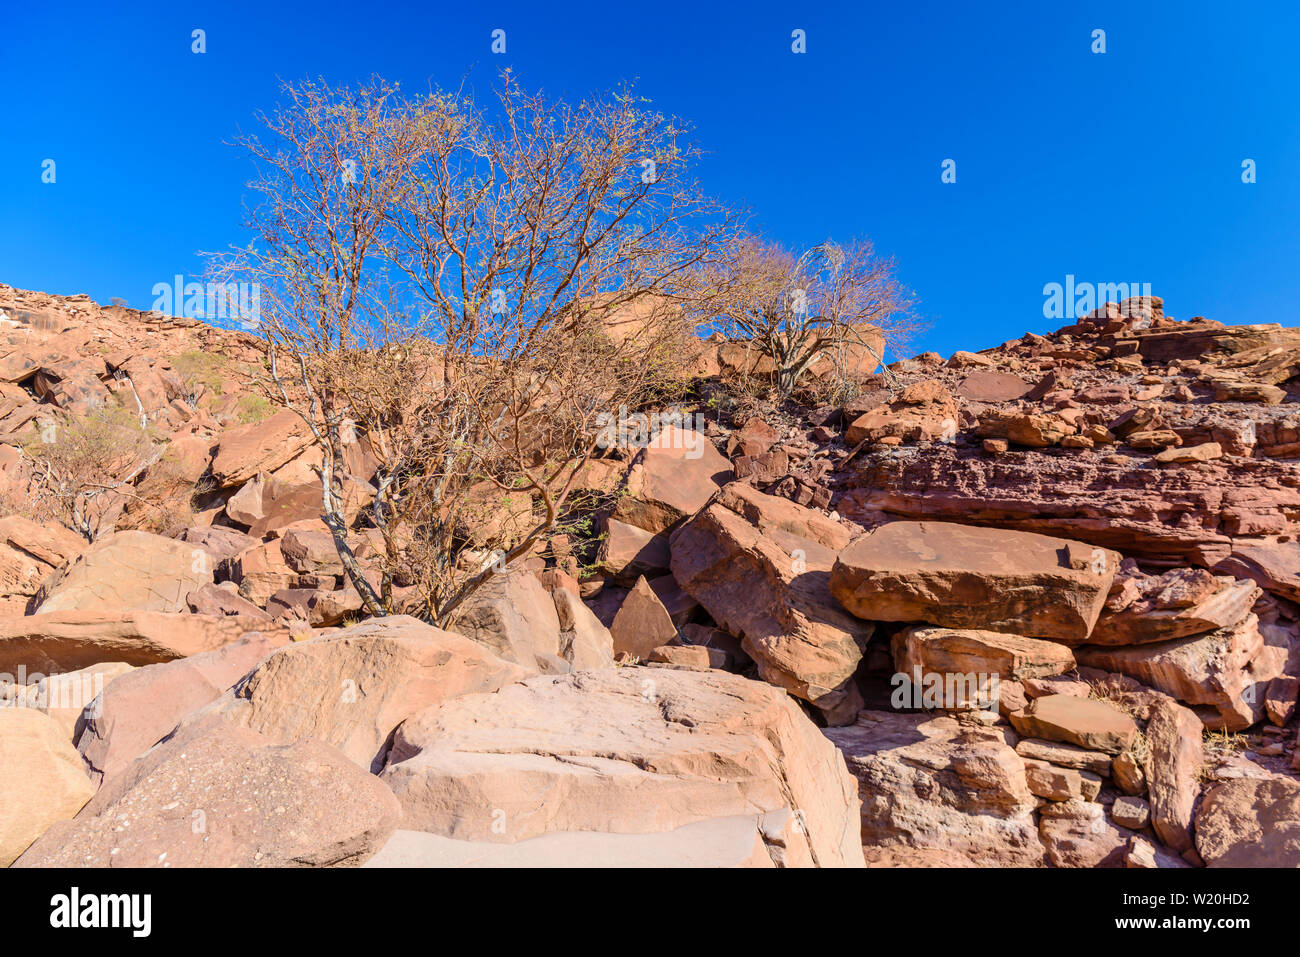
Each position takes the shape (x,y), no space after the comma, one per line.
(1032,606)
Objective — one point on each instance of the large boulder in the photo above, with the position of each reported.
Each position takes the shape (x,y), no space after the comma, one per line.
(628,553)
(263,447)
(964,576)
(41,779)
(1250,822)
(672,477)
(351,688)
(514,617)
(626,751)
(761,566)
(1223,674)
(128,571)
(938,792)
(1176,604)
(69,641)
(141,708)
(215,795)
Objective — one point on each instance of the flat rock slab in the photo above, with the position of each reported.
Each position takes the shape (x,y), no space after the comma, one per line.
(1086,722)
(41,779)
(970,651)
(965,576)
(220,796)
(1065,755)
(72,640)
(735,841)
(625,751)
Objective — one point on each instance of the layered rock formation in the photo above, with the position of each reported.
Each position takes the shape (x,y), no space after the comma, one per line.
(1033,606)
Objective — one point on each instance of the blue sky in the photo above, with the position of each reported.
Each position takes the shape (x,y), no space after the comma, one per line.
(1115,167)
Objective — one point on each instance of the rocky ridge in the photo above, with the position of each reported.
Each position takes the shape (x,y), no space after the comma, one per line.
(1033,606)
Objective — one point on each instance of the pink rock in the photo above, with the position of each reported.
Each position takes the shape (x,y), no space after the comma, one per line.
(760,566)
(963,576)
(140,708)
(215,795)
(1088,722)
(633,750)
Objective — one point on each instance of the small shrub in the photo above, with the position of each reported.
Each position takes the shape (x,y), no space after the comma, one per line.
(199,371)
(252,409)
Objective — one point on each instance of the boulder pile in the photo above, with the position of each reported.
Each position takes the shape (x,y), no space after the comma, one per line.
(1036,606)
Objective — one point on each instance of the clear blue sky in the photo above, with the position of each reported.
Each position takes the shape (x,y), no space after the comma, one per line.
(1115,167)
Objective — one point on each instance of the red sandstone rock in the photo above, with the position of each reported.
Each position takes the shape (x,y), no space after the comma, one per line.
(963,576)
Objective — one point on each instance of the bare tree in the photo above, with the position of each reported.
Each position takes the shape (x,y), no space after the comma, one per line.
(819,308)
(82,466)
(435,276)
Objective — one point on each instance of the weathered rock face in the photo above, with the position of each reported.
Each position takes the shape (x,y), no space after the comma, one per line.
(1076,833)
(1034,431)
(671,478)
(351,688)
(128,571)
(67,697)
(956,651)
(1086,722)
(766,580)
(260,572)
(642,623)
(628,552)
(1189,515)
(1223,674)
(135,713)
(1066,756)
(962,576)
(935,791)
(585,643)
(1176,604)
(1250,823)
(631,751)
(1173,772)
(220,796)
(513,617)
(41,779)
(68,641)
(1272,564)
(1061,784)
(924,411)
(29,554)
(264,447)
